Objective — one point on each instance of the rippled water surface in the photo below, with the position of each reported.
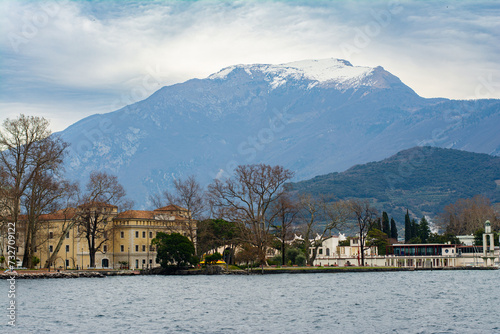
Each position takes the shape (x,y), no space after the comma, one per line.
(392,302)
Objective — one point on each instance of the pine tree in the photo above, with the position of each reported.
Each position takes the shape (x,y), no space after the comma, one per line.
(385,224)
(394,229)
(407,227)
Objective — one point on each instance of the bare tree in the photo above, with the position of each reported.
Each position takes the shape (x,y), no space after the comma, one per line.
(5,205)
(4,194)
(246,198)
(188,194)
(286,210)
(157,200)
(26,149)
(320,218)
(364,216)
(43,196)
(466,216)
(104,195)
(67,215)
(247,254)
(310,214)
(214,233)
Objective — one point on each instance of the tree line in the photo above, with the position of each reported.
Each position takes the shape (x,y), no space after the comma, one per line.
(252,210)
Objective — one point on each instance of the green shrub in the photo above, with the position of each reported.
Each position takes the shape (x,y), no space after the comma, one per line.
(213,258)
(291,255)
(300,260)
(275,261)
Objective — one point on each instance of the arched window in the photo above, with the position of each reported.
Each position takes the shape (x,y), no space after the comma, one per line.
(328,252)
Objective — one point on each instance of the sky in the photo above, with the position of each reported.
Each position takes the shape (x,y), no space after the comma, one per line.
(65,60)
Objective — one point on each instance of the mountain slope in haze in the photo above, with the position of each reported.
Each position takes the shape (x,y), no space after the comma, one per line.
(422,179)
(313,117)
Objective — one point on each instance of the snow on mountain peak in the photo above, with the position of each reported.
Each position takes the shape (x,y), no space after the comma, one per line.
(337,71)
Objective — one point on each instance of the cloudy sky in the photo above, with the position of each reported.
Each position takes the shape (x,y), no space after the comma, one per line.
(65,60)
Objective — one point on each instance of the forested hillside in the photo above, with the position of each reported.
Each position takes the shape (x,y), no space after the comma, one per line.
(422,179)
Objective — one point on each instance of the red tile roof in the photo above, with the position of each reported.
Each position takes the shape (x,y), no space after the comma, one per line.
(136,214)
(60,214)
(140,214)
(57,215)
(171,207)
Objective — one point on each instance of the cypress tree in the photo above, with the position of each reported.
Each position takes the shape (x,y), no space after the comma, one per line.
(385,224)
(394,229)
(407,226)
(414,229)
(424,230)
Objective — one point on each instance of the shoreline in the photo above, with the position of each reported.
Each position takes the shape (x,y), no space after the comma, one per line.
(44,274)
(33,274)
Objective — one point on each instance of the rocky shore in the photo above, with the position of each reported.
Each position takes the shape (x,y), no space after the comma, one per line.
(212,270)
(64,274)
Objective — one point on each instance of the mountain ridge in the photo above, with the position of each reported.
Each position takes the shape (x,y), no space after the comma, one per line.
(205,127)
(421,179)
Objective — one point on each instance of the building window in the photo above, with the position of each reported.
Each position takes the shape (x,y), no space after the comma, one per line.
(105,248)
(51,248)
(67,263)
(137,234)
(51,235)
(328,252)
(136,248)
(321,251)
(122,248)
(67,248)
(67,235)
(143,248)
(143,261)
(143,234)
(150,235)
(136,263)
(122,234)
(35,250)
(150,261)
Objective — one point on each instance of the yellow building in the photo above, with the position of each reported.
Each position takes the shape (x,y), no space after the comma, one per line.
(134,230)
(125,237)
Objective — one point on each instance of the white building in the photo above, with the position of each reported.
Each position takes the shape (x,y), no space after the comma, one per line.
(330,253)
(412,255)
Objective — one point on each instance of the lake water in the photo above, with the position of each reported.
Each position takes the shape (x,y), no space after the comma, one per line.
(384,302)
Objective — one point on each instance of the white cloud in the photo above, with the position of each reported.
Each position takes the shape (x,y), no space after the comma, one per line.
(97,56)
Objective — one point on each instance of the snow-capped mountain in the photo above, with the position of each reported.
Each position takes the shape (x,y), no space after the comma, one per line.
(327,73)
(313,116)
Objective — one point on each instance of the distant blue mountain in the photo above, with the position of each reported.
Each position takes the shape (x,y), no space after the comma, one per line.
(314,117)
